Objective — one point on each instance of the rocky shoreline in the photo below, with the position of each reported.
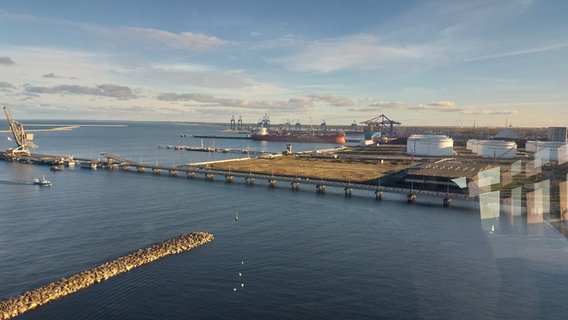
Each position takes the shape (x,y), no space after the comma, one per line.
(29,300)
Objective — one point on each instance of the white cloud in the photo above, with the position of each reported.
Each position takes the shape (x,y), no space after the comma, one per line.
(489,112)
(295,105)
(387,105)
(440,106)
(184,40)
(525,51)
(203,79)
(332,100)
(362,51)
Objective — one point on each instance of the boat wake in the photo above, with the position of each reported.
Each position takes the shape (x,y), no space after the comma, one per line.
(16,182)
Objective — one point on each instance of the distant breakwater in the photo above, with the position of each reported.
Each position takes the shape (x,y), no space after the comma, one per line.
(29,300)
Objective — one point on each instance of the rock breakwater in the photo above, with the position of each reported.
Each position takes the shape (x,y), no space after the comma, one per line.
(32,299)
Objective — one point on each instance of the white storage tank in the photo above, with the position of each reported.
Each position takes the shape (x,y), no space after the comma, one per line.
(429,145)
(550,150)
(473,145)
(530,146)
(497,149)
(470,143)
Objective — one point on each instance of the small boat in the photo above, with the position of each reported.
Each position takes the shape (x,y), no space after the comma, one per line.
(56,168)
(43,182)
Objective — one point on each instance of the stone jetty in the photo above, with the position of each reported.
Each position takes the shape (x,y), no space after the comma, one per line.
(29,300)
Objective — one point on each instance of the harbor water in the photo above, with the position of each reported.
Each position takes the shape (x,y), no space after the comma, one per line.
(289,255)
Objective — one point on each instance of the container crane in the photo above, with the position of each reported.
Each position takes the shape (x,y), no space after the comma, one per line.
(23,139)
(382,121)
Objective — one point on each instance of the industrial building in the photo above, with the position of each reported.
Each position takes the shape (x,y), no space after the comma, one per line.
(558,134)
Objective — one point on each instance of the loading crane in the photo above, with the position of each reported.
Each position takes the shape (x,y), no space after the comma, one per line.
(23,139)
(382,121)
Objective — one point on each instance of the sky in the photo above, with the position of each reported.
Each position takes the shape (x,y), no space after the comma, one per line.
(431,63)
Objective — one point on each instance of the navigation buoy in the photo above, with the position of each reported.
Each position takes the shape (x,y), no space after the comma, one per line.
(237,215)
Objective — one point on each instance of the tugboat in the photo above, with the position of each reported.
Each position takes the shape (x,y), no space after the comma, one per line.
(43,182)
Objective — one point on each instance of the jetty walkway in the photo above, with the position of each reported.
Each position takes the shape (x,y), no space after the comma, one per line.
(112,162)
(192,170)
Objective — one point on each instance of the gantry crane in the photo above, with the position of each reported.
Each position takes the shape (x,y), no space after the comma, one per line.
(23,139)
(382,121)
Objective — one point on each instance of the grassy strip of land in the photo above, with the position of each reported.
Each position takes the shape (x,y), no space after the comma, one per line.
(329,169)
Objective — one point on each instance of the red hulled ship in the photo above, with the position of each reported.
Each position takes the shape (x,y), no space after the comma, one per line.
(321,137)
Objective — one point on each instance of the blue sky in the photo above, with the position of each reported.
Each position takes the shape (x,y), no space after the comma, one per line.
(419,62)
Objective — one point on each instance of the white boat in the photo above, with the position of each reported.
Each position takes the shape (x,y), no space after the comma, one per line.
(42,182)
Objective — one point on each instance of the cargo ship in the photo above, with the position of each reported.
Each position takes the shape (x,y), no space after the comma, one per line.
(321,137)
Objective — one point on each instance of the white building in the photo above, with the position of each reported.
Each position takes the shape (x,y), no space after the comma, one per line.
(429,145)
(500,149)
(548,150)
(493,148)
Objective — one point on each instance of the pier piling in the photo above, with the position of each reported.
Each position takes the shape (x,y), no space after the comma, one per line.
(378,195)
(411,198)
(295,185)
(272,183)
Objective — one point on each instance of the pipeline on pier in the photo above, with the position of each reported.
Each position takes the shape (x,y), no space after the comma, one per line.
(29,300)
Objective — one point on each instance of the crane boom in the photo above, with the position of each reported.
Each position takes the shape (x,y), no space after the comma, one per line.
(382,121)
(23,140)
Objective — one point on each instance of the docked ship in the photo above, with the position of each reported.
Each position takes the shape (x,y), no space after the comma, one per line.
(265,133)
(321,137)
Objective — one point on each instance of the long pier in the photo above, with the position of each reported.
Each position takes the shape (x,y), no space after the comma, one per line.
(247,137)
(113,162)
(192,170)
(212,149)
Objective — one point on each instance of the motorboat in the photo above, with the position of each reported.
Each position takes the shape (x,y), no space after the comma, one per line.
(43,182)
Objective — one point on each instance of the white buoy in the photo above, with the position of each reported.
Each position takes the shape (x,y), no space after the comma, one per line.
(237,215)
(240,274)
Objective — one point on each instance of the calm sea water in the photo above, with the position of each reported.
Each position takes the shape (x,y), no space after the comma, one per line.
(291,255)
